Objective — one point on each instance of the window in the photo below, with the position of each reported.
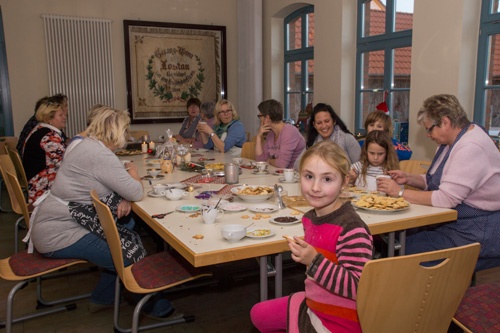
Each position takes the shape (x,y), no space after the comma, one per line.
(487,100)
(383,61)
(299,62)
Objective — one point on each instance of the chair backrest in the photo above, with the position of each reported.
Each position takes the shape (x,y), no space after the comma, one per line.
(18,164)
(137,134)
(398,294)
(248,150)
(17,192)
(111,233)
(415,167)
(6,165)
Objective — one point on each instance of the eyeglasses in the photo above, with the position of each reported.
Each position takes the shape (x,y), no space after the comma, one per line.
(429,130)
(226,111)
(260,116)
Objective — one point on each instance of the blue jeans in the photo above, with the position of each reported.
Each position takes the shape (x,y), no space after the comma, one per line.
(95,249)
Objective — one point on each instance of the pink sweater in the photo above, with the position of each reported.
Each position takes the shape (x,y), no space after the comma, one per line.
(471,174)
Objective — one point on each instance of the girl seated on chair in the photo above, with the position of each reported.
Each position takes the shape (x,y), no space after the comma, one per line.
(336,246)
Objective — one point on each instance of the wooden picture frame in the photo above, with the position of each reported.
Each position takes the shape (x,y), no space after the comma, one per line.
(167,63)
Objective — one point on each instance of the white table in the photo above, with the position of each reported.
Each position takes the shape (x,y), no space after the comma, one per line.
(178,229)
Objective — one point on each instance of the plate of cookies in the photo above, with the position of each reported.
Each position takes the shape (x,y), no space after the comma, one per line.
(378,203)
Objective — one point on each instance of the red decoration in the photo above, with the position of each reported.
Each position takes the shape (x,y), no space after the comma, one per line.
(383,106)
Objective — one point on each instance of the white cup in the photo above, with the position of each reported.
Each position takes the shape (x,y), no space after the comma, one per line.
(381,177)
(238,160)
(175,194)
(211,214)
(261,166)
(159,189)
(289,175)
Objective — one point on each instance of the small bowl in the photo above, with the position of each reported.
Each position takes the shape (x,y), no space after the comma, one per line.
(233,232)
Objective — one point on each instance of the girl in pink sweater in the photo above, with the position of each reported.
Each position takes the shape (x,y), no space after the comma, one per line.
(336,246)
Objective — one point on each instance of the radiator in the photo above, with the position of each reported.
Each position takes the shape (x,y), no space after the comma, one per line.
(80,64)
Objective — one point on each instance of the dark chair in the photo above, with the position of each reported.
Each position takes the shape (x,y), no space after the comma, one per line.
(24,267)
(479,311)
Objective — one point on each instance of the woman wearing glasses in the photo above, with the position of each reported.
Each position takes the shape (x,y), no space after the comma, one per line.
(228,134)
(283,143)
(187,133)
(464,175)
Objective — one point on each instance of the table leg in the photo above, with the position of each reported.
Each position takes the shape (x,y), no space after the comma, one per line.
(263,278)
(278,279)
(391,243)
(402,241)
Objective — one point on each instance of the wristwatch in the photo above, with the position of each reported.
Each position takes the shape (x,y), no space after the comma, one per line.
(212,134)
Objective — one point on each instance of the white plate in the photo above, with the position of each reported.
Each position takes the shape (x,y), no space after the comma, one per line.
(157,177)
(200,150)
(233,207)
(282,180)
(155,195)
(297,220)
(250,197)
(382,210)
(257,172)
(188,208)
(253,232)
(176,185)
(263,208)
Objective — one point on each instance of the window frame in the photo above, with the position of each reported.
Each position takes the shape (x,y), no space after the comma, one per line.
(302,55)
(488,26)
(387,42)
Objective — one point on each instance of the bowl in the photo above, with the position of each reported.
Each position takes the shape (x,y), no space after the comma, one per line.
(175,194)
(154,172)
(233,232)
(253,193)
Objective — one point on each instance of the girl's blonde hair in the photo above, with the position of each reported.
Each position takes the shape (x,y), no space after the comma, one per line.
(109,126)
(383,139)
(329,152)
(217,110)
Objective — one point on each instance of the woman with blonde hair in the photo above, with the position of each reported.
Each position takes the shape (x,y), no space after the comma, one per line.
(65,223)
(44,149)
(228,134)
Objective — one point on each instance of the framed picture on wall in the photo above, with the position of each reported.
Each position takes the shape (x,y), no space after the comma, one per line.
(168,63)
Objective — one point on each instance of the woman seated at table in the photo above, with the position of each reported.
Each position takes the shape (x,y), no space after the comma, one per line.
(207,116)
(464,175)
(228,134)
(187,133)
(283,143)
(379,120)
(324,124)
(65,225)
(44,149)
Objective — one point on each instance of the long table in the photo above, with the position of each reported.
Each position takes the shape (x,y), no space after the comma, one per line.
(178,229)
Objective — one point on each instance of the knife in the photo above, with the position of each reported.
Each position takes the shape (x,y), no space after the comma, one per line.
(160,216)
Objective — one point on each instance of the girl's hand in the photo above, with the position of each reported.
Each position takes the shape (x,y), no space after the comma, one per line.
(123,209)
(302,252)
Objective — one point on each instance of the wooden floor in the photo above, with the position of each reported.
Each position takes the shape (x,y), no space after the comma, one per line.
(221,307)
